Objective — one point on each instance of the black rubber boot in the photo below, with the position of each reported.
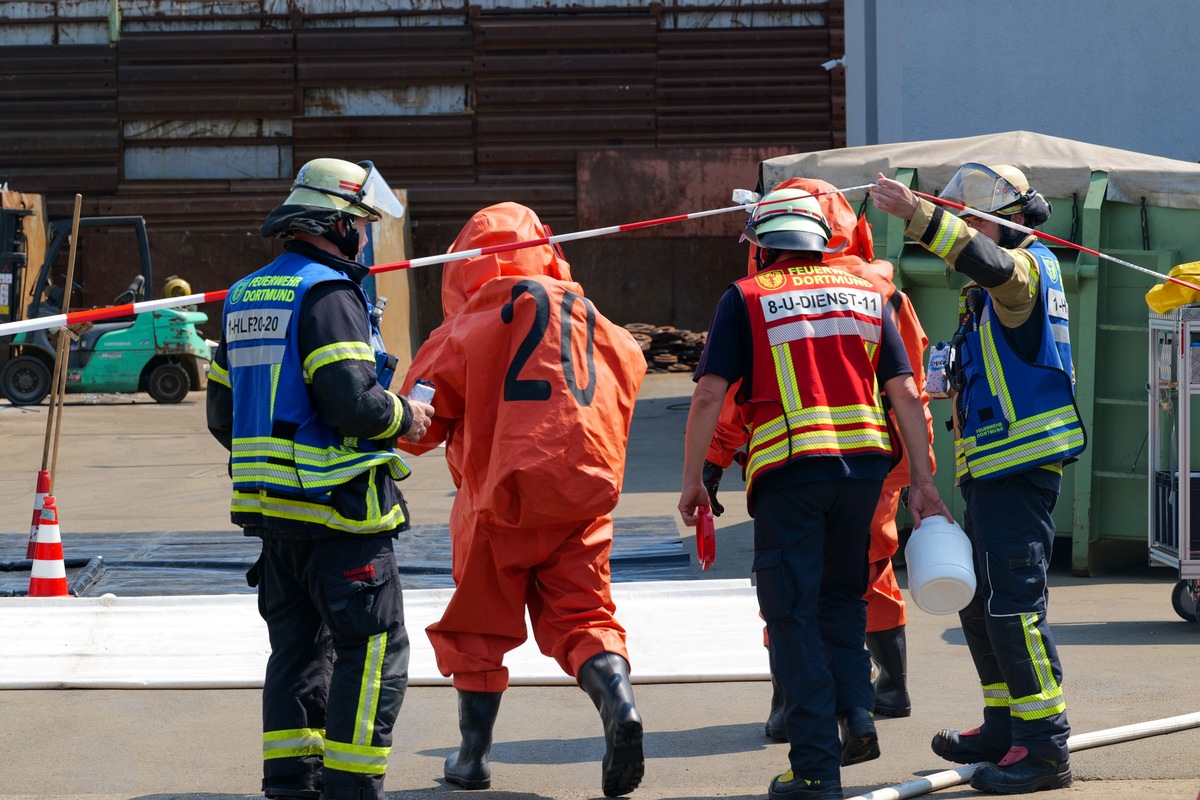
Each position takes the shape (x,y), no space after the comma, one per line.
(469,766)
(606,680)
(889,650)
(860,742)
(775,724)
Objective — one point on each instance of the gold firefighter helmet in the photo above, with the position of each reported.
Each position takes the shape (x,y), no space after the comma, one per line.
(356,189)
(1002,189)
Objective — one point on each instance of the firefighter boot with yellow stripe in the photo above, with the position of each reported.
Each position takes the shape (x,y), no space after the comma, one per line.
(788,787)
(860,742)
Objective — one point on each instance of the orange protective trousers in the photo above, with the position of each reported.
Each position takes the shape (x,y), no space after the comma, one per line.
(561,574)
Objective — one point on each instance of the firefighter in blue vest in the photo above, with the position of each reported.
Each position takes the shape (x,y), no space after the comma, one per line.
(1015,425)
(299,396)
(812,347)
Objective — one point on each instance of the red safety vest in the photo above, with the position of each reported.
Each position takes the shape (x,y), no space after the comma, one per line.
(816,332)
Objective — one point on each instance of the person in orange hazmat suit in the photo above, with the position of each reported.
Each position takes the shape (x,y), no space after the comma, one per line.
(535,391)
(886,612)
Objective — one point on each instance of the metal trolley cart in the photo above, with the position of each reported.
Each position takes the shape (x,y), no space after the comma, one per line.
(1174,524)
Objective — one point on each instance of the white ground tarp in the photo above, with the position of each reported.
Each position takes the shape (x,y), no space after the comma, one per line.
(679,631)
(1056,167)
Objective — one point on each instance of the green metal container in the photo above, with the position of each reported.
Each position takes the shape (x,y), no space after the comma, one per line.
(1137,208)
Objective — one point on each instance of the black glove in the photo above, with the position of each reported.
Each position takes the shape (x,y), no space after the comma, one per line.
(711,478)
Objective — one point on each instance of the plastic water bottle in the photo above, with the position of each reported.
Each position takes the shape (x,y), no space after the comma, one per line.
(936,381)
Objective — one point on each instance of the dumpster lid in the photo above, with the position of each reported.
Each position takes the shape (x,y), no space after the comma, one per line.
(1056,167)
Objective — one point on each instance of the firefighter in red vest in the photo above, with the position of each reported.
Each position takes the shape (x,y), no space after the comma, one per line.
(813,348)
(887,616)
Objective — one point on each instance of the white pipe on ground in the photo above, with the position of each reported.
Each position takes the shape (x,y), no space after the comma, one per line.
(1082,741)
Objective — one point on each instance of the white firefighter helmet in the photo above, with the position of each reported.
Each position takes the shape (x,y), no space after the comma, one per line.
(356,189)
(789,219)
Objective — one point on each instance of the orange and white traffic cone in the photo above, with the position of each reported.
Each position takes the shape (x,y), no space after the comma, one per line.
(48,573)
(43,489)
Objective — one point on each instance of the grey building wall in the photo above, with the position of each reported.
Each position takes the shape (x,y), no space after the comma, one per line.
(1119,73)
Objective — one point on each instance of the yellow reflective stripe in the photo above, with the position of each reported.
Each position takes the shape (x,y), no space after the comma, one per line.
(328,466)
(261,446)
(301,511)
(1055,468)
(356,758)
(1025,454)
(320,479)
(275,370)
(813,438)
(293,743)
(994,370)
(785,375)
(819,441)
(393,430)
(1038,423)
(1038,706)
(338,351)
(768,430)
(327,480)
(946,236)
(995,695)
(218,374)
(333,455)
(854,413)
(368,692)
(265,473)
(1049,700)
(373,509)
(1000,454)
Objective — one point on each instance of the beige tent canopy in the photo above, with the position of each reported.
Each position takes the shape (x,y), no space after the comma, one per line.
(1055,167)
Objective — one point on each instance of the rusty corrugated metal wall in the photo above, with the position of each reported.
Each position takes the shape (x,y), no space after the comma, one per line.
(133,125)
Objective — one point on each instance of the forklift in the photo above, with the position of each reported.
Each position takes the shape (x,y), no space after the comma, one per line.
(159,352)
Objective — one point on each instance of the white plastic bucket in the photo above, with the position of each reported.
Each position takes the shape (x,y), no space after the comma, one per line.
(941,575)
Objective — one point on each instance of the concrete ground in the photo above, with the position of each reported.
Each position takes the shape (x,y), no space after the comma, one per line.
(128,464)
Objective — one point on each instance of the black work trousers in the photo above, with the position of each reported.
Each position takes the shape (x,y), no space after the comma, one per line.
(810,564)
(1012,534)
(338,668)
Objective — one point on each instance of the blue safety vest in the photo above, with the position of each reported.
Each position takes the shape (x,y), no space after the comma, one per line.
(1015,414)
(285,462)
